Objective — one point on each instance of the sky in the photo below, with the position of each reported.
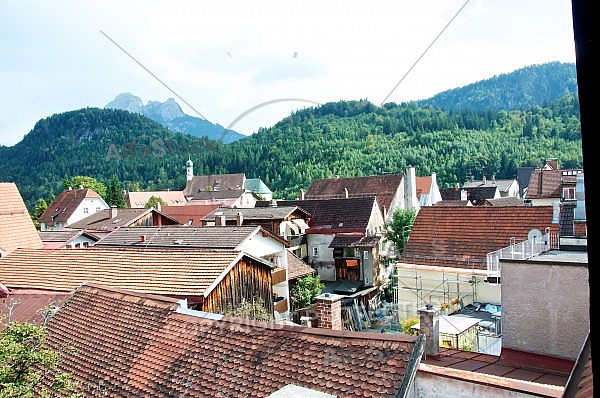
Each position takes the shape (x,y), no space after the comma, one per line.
(246,65)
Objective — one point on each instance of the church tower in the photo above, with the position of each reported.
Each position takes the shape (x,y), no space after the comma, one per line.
(189,166)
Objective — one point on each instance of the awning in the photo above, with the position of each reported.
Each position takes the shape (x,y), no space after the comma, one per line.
(301,224)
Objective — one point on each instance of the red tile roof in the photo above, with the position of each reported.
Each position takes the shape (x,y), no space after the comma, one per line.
(16,228)
(384,187)
(423,185)
(168,272)
(134,345)
(549,183)
(184,214)
(511,364)
(461,237)
(298,268)
(27,305)
(64,205)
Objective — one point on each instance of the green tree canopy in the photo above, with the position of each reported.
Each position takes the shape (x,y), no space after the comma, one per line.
(86,182)
(28,368)
(398,229)
(114,193)
(305,290)
(154,200)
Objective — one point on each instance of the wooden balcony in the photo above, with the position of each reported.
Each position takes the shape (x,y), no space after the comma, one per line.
(281,306)
(278,275)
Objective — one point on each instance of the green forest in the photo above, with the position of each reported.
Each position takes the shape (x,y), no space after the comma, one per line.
(345,138)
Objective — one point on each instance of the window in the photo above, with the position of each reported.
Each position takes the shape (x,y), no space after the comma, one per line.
(85,210)
(190,221)
(97,209)
(86,244)
(568,193)
(315,252)
(365,255)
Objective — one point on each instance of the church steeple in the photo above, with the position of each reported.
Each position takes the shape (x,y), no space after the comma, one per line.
(189,166)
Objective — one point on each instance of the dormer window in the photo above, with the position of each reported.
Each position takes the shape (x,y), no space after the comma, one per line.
(568,193)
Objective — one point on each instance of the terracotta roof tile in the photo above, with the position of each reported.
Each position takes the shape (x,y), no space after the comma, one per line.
(131,346)
(16,228)
(462,236)
(298,268)
(168,272)
(184,214)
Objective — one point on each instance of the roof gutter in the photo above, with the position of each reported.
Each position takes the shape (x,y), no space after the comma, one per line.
(407,386)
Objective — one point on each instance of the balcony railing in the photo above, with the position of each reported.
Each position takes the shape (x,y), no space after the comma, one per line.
(522,250)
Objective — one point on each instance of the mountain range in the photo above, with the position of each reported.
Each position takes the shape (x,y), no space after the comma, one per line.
(345,138)
(170,115)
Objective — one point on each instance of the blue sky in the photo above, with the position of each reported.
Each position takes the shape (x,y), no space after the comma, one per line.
(246,65)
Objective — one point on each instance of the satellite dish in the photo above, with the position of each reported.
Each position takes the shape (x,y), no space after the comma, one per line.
(534,233)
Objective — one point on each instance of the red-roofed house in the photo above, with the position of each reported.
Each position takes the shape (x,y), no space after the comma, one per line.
(393,191)
(450,252)
(70,206)
(16,227)
(547,186)
(191,214)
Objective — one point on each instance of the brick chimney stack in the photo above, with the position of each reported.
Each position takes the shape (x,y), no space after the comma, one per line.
(329,311)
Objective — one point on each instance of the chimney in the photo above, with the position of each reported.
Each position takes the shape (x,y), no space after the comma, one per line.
(69,188)
(301,194)
(434,190)
(157,206)
(113,211)
(80,186)
(239,218)
(273,203)
(555,212)
(484,180)
(457,186)
(410,190)
(220,220)
(329,311)
(429,326)
(579,214)
(345,193)
(142,238)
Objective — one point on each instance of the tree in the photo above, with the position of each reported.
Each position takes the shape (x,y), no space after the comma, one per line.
(114,193)
(305,290)
(86,182)
(398,229)
(154,200)
(28,368)
(40,208)
(252,310)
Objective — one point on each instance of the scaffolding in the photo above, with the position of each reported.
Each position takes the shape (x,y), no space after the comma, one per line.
(446,288)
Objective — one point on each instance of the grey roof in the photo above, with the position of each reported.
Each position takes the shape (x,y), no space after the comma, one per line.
(507,201)
(255,213)
(503,185)
(102,221)
(256,185)
(215,182)
(210,237)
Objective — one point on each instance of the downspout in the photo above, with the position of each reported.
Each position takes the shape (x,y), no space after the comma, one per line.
(411,368)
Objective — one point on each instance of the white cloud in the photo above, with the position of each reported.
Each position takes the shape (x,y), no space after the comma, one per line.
(227,57)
